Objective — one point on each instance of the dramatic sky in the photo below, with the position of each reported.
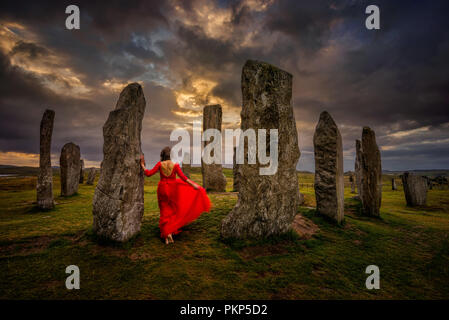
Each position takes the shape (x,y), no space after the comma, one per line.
(187,54)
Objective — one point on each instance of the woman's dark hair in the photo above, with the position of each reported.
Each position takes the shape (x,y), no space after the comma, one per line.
(165,154)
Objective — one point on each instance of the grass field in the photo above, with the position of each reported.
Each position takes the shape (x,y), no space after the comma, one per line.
(410,246)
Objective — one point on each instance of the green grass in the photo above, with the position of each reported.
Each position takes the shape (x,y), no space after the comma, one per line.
(410,246)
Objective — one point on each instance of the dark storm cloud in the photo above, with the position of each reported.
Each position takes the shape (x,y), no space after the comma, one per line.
(23,99)
(106,26)
(394,79)
(31,50)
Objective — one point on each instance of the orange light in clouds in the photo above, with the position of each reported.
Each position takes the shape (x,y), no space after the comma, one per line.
(51,68)
(32,160)
(117,86)
(19,159)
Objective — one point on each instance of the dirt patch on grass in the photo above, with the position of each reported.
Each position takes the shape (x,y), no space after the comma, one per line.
(304,227)
(97,249)
(25,248)
(253,252)
(140,256)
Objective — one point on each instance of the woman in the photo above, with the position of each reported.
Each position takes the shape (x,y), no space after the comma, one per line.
(179,203)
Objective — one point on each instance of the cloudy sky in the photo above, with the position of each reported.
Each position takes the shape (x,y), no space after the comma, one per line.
(187,54)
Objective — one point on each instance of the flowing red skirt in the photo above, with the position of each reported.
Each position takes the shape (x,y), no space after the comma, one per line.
(179,204)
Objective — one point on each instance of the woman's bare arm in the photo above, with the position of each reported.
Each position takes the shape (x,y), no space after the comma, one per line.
(184,178)
(147,172)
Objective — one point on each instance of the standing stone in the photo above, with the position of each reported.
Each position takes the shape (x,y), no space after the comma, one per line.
(329,179)
(393,184)
(92,172)
(430,183)
(186,166)
(371,167)
(213,177)
(69,163)
(118,198)
(358,167)
(267,204)
(235,173)
(301,198)
(81,171)
(45,178)
(352,182)
(415,189)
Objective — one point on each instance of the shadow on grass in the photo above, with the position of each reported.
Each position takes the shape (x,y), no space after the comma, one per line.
(238,244)
(105,242)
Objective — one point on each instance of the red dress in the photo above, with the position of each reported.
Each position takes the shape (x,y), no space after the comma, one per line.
(179,203)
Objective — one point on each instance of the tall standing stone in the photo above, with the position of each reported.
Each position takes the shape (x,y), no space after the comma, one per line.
(393,184)
(371,167)
(81,171)
(213,177)
(69,163)
(235,173)
(415,189)
(186,166)
(329,179)
(45,178)
(358,167)
(92,172)
(118,198)
(352,182)
(267,204)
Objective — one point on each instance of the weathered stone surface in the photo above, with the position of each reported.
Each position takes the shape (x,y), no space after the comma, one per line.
(358,167)
(81,171)
(44,186)
(267,204)
(213,177)
(393,184)
(92,173)
(415,189)
(371,168)
(118,198)
(186,165)
(329,183)
(69,164)
(235,173)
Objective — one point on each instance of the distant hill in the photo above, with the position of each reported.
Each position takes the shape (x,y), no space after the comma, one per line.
(423,172)
(32,171)
(22,171)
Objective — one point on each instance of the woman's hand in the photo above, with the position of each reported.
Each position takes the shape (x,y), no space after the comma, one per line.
(193,184)
(142,161)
